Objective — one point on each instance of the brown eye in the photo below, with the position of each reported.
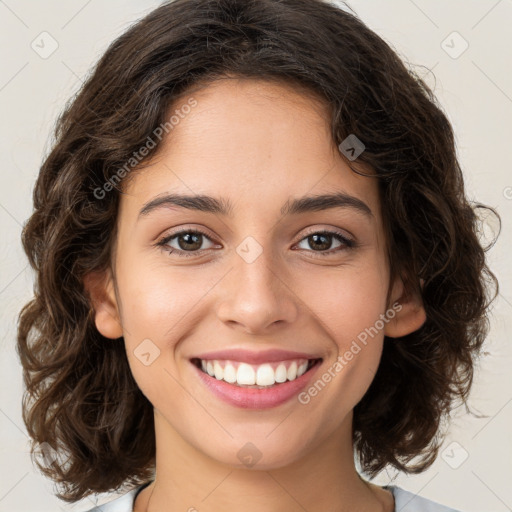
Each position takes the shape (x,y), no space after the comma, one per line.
(190,240)
(321,242)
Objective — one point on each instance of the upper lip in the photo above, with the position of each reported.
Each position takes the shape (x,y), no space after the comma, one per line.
(261,356)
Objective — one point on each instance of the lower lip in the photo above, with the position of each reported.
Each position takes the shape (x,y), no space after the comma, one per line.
(252,398)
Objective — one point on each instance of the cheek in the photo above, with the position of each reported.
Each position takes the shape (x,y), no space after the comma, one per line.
(346,301)
(348,305)
(160,306)
(155,298)
(151,306)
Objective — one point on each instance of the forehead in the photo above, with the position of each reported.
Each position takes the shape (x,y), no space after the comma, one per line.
(252,141)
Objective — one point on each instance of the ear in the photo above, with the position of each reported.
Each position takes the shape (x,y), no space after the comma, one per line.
(100,287)
(410,314)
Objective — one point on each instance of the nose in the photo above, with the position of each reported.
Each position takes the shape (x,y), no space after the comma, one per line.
(257,296)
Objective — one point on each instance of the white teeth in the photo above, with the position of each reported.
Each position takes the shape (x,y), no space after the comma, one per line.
(229,373)
(292,371)
(301,370)
(219,372)
(264,375)
(245,375)
(281,374)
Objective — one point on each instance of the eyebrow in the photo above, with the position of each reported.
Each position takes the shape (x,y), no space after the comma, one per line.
(221,206)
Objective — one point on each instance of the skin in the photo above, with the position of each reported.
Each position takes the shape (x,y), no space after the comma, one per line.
(247,140)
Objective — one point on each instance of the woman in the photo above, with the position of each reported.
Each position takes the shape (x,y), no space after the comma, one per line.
(254,259)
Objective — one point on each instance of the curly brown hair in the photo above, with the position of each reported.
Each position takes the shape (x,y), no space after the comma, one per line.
(81,399)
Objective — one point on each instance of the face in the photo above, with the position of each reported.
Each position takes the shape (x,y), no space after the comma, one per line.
(275,281)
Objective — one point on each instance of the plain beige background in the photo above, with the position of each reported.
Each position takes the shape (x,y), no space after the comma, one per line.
(47,48)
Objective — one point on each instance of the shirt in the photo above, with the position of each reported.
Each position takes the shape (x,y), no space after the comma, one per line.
(405,501)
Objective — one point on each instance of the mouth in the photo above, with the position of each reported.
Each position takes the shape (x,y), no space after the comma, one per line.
(263,376)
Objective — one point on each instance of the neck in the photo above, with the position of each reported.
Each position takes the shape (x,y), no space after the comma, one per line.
(324,479)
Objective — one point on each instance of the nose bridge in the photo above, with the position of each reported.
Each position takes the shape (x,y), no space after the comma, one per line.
(256,265)
(255,295)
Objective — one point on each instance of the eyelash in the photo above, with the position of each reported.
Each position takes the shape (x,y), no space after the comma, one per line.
(349,244)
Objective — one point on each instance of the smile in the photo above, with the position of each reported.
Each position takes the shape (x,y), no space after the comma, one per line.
(255,384)
(260,376)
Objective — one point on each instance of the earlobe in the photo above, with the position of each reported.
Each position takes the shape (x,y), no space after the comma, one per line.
(101,292)
(409,313)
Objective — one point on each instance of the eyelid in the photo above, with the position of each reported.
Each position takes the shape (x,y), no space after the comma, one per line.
(187,228)
(328,230)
